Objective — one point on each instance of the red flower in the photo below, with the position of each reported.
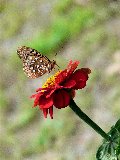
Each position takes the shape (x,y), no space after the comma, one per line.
(60,88)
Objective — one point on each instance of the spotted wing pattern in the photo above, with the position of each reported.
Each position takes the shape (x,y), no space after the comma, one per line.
(34,63)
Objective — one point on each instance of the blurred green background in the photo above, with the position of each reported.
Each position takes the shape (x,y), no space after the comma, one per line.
(85,30)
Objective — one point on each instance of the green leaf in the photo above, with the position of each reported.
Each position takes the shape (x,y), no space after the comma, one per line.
(110,150)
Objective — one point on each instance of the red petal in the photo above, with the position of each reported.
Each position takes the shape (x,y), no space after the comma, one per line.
(86,70)
(45,112)
(39,89)
(33,96)
(45,102)
(36,96)
(45,89)
(67,72)
(79,75)
(61,77)
(50,93)
(61,99)
(51,112)
(80,85)
(69,84)
(71,67)
(36,101)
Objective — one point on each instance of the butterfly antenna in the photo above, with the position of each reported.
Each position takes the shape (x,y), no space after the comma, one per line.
(57,53)
(56,63)
(55,56)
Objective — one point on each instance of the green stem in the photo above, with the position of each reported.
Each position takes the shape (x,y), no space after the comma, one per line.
(86,119)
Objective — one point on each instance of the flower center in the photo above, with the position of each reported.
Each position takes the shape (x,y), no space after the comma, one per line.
(50,82)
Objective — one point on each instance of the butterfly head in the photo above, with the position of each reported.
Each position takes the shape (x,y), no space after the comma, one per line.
(53,64)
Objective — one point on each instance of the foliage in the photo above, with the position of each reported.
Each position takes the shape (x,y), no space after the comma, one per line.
(110,150)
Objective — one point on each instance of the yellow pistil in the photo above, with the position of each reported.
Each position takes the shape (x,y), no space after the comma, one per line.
(51,81)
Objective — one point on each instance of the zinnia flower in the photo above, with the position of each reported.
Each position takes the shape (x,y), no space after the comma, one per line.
(59,89)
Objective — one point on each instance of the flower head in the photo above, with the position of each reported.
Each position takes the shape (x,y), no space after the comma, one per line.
(60,88)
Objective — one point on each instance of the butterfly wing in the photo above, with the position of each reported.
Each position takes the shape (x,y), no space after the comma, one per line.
(35,67)
(34,63)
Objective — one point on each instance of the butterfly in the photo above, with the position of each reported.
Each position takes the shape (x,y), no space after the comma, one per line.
(34,63)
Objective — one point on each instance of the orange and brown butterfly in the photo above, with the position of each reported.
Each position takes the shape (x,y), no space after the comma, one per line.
(34,63)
